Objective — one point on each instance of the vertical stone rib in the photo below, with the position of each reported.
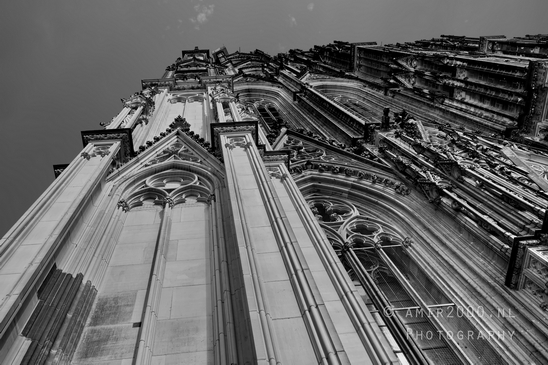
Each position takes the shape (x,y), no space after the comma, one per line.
(217,302)
(105,243)
(226,342)
(267,330)
(369,339)
(119,118)
(322,341)
(145,338)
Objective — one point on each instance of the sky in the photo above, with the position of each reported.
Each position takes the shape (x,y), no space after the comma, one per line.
(65,64)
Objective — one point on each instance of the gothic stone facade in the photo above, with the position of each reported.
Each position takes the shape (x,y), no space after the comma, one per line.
(249,209)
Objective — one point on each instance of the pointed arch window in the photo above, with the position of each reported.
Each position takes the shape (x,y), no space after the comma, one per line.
(416,311)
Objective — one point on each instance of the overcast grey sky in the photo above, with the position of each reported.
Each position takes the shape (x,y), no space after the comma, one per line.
(65,64)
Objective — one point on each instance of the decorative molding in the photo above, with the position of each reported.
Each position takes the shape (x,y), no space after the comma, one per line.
(86,155)
(168,188)
(97,151)
(534,276)
(124,134)
(335,150)
(277,156)
(58,169)
(142,99)
(241,127)
(169,202)
(226,82)
(149,83)
(123,204)
(177,151)
(221,94)
(181,123)
(106,124)
(336,169)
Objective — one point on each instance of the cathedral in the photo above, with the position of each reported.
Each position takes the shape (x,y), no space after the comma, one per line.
(353,203)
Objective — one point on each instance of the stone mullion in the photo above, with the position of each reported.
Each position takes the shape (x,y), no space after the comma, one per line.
(407,344)
(339,279)
(271,346)
(441,263)
(226,349)
(154,292)
(321,338)
(422,304)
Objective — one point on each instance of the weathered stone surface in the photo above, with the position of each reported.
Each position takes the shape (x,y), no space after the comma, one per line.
(189,358)
(113,309)
(183,336)
(291,333)
(125,278)
(191,301)
(191,272)
(107,343)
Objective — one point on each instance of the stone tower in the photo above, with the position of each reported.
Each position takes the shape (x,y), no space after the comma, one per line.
(245,209)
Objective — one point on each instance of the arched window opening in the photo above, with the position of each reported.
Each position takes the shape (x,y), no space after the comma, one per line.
(418,314)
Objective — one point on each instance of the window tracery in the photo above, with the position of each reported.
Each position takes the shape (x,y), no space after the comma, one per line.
(374,254)
(169,188)
(332,210)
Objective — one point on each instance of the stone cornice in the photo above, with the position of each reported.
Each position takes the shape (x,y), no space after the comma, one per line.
(219,128)
(124,135)
(227,81)
(276,156)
